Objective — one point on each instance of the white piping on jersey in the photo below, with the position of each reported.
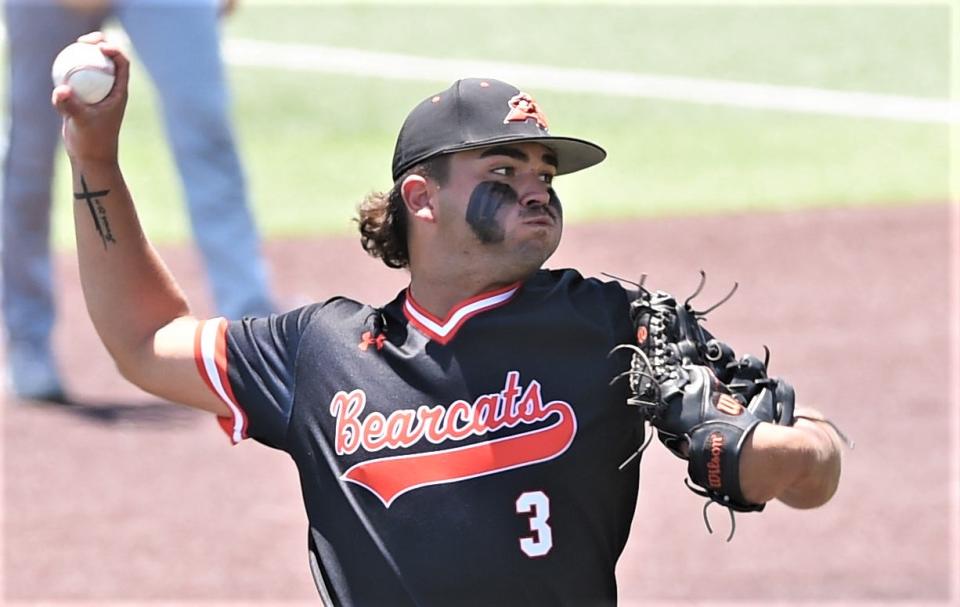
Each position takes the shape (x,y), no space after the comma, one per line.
(445,330)
(208,353)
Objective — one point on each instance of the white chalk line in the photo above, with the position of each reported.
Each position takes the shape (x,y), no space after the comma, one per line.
(393,66)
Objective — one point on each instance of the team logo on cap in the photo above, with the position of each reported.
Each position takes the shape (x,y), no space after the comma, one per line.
(523,107)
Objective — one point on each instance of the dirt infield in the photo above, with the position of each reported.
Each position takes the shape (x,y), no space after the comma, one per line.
(126,498)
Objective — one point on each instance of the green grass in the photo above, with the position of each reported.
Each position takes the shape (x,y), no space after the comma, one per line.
(314,144)
(883,49)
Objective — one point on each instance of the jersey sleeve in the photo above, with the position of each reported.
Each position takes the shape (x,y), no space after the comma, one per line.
(250,365)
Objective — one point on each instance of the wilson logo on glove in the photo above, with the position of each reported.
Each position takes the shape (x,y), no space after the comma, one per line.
(714,479)
(729,405)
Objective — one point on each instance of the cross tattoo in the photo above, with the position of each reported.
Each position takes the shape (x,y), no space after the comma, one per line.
(97,212)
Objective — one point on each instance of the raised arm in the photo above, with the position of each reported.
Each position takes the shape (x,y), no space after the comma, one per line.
(139,312)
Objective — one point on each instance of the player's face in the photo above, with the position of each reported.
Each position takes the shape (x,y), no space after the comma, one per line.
(503,202)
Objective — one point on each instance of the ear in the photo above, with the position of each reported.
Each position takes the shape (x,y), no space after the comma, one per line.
(415,190)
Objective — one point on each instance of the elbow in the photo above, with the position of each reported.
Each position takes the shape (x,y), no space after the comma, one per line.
(128,362)
(129,371)
(126,370)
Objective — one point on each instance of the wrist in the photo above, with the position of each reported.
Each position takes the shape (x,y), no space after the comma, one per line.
(94,161)
(94,169)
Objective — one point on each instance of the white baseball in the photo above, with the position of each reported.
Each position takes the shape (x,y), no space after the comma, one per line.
(86,69)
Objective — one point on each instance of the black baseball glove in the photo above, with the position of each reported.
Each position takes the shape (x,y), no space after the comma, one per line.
(703,401)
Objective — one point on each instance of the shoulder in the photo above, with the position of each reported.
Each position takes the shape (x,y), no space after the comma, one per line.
(333,310)
(570,283)
(339,321)
(564,294)
(288,329)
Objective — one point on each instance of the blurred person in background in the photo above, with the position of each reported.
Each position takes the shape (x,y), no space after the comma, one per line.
(178,42)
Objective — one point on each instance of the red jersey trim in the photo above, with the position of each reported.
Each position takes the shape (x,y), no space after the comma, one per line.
(444,330)
(210,354)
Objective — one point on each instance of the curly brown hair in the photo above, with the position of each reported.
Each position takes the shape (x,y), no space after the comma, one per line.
(382,216)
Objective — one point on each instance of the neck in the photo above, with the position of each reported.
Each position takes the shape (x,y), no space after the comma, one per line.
(439,294)
(442,275)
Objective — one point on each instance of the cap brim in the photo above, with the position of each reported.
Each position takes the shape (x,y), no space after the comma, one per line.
(572,154)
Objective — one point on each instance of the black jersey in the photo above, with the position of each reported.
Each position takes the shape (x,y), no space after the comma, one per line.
(458,461)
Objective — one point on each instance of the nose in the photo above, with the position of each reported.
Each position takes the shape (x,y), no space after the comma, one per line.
(533,190)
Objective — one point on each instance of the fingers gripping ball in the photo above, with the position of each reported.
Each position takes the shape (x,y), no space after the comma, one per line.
(86,70)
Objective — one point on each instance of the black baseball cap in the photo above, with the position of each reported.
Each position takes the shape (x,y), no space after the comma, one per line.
(478,112)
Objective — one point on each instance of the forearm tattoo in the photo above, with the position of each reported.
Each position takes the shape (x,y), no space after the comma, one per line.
(97,211)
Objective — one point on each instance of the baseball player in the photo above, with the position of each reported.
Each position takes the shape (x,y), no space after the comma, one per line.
(460,444)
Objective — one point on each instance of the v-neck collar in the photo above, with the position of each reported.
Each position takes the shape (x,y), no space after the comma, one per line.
(444,330)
